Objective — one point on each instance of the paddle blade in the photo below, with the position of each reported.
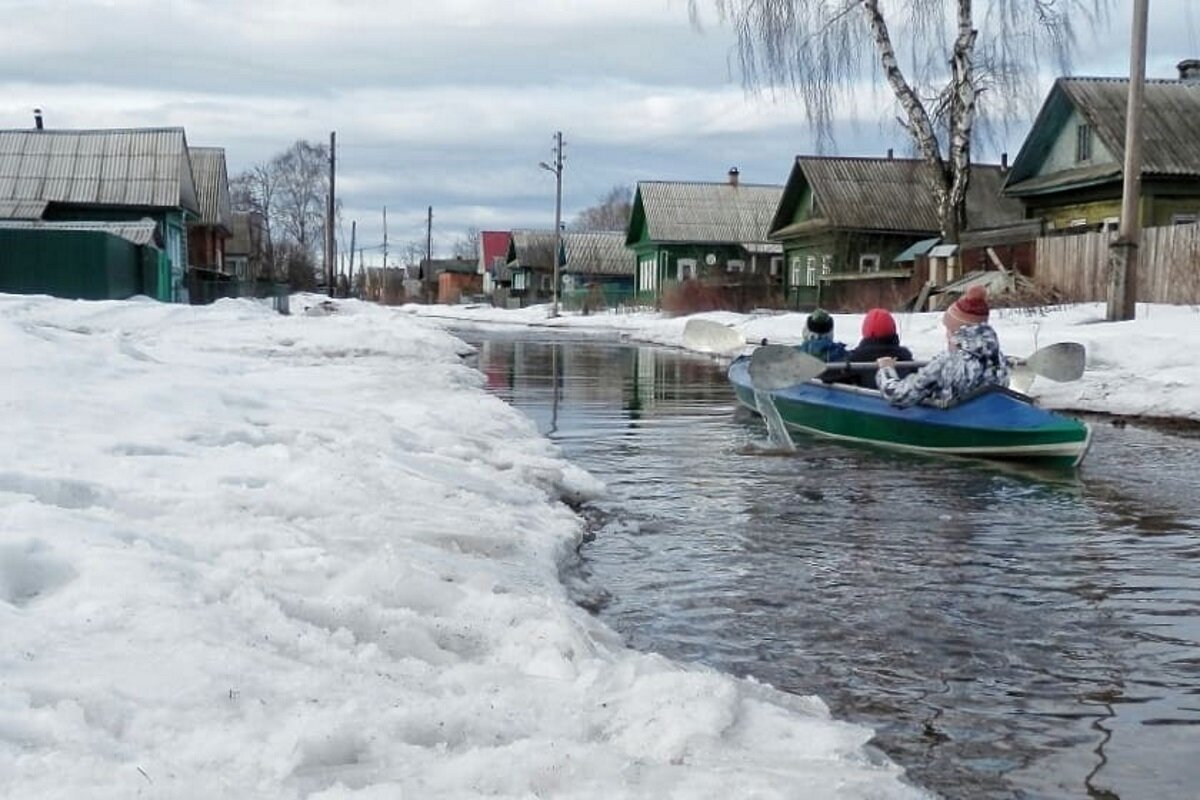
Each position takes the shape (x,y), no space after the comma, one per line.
(1060,362)
(777,366)
(706,336)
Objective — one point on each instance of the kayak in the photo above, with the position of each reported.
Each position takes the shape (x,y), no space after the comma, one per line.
(994,423)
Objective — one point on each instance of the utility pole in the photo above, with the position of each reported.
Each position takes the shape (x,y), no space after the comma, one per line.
(1123,253)
(429,290)
(557,169)
(383,272)
(330,262)
(350,277)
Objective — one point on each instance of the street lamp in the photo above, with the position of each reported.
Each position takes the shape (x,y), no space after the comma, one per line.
(557,169)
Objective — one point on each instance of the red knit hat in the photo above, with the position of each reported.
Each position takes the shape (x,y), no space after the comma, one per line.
(970,309)
(878,324)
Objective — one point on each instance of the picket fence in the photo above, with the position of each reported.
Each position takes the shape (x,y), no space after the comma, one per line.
(1168,265)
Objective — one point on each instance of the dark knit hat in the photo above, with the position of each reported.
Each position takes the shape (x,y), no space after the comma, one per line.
(819,321)
(878,324)
(970,309)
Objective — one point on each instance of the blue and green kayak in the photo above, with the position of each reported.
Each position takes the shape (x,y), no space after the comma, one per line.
(996,423)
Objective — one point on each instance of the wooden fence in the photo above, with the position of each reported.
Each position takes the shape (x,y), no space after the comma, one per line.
(1168,265)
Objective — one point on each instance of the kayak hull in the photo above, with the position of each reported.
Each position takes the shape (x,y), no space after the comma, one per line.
(996,423)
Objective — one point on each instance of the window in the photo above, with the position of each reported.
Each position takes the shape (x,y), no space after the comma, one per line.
(1111,224)
(648,274)
(794,278)
(518,280)
(826,264)
(810,271)
(545,283)
(1083,143)
(1079,222)
(686,268)
(868,262)
(735,265)
(1184,219)
(776,265)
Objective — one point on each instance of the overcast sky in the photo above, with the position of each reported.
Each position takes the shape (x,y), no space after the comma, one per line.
(452,103)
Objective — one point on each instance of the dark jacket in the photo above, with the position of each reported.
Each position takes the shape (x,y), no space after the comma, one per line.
(868,351)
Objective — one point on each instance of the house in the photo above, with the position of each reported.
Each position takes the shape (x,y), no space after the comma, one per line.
(1070,169)
(454,277)
(247,251)
(530,268)
(598,269)
(493,256)
(103,176)
(843,222)
(714,233)
(208,233)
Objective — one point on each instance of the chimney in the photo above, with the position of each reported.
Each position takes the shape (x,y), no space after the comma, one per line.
(37,118)
(733,176)
(1189,70)
(891,155)
(1004,162)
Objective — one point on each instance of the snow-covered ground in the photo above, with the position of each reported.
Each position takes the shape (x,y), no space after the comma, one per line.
(1149,366)
(253,556)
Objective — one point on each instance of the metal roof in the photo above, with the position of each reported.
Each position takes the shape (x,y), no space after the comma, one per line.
(598,253)
(212,187)
(1170,146)
(886,194)
(916,249)
(147,168)
(708,212)
(140,232)
(22,209)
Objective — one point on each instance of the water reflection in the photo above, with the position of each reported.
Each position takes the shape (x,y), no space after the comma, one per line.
(1005,634)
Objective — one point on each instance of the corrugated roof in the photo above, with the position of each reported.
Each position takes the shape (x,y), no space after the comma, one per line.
(22,209)
(598,253)
(212,187)
(127,167)
(892,194)
(1170,144)
(708,212)
(140,232)
(916,249)
(533,249)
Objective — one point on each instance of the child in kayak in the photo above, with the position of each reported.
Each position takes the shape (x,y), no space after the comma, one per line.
(879,340)
(818,341)
(973,359)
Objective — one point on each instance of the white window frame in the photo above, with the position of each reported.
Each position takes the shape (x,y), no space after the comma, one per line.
(810,271)
(826,264)
(648,274)
(1111,223)
(685,269)
(776,265)
(1184,219)
(1083,143)
(796,272)
(518,280)
(869,262)
(1078,222)
(735,265)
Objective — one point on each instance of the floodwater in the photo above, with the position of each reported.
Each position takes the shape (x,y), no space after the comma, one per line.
(1005,633)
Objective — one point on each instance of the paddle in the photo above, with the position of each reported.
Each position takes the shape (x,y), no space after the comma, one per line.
(706,336)
(777,366)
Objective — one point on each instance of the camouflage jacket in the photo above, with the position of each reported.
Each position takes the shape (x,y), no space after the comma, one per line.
(975,362)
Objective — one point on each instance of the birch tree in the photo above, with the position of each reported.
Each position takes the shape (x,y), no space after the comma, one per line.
(946,62)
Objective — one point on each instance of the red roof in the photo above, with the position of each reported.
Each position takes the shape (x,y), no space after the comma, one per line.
(495,245)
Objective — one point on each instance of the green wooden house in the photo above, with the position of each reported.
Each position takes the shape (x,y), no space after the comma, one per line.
(714,233)
(1070,169)
(598,269)
(842,223)
(102,176)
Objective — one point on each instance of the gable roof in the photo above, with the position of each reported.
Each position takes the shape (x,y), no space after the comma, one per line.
(884,194)
(1170,146)
(703,212)
(212,187)
(493,245)
(146,168)
(598,253)
(532,249)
